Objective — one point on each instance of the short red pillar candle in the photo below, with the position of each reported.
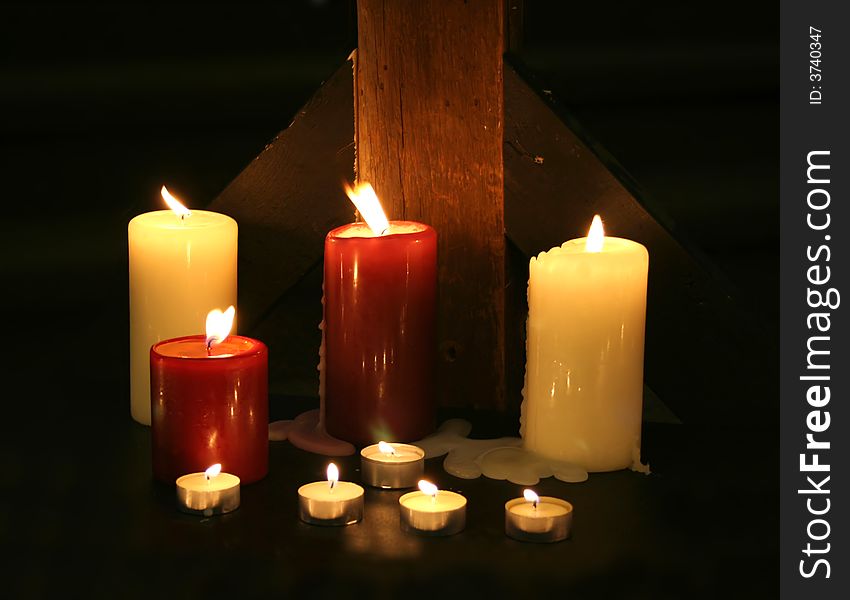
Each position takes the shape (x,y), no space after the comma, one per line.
(379,332)
(209,407)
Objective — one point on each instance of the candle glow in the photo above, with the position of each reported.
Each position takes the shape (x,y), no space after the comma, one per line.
(213,471)
(366,200)
(428,488)
(386,448)
(219,325)
(333,475)
(595,236)
(174,204)
(530,496)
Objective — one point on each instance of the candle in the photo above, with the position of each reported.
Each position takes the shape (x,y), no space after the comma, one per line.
(534,518)
(433,512)
(181,263)
(209,399)
(379,327)
(392,466)
(584,370)
(331,502)
(209,493)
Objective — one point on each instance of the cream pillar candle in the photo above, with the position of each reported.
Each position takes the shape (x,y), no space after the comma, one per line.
(584,371)
(182,263)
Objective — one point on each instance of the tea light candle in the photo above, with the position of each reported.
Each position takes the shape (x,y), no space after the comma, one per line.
(330,502)
(533,518)
(432,512)
(392,466)
(209,493)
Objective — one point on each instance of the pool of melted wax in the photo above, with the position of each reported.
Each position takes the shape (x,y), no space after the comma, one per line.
(500,458)
(307,433)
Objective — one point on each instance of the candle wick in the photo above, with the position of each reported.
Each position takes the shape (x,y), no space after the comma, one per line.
(534,505)
(433,498)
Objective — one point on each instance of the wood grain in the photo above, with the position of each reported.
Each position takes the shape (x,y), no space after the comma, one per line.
(428,113)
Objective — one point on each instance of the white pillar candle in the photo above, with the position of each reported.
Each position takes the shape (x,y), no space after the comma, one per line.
(584,371)
(330,502)
(182,263)
(392,466)
(209,493)
(433,512)
(534,518)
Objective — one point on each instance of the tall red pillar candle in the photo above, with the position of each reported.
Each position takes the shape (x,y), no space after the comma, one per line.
(379,332)
(209,407)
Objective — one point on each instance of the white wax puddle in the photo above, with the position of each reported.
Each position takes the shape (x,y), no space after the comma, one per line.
(501,458)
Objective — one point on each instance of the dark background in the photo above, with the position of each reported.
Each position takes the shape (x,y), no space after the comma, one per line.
(102,104)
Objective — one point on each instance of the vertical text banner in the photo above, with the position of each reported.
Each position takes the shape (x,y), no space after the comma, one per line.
(815,337)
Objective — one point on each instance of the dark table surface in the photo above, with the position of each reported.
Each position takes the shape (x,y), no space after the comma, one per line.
(80,512)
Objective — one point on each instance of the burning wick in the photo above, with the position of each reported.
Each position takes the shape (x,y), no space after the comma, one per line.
(595,236)
(386,448)
(530,496)
(428,488)
(366,201)
(333,476)
(174,204)
(212,472)
(219,325)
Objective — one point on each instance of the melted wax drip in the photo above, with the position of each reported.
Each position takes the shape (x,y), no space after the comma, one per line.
(306,431)
(501,458)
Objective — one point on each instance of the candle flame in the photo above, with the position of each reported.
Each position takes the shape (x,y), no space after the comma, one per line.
(213,471)
(386,448)
(333,475)
(175,204)
(369,207)
(428,488)
(219,325)
(596,235)
(530,496)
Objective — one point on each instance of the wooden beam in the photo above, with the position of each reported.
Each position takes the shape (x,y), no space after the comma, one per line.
(428,114)
(707,356)
(290,196)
